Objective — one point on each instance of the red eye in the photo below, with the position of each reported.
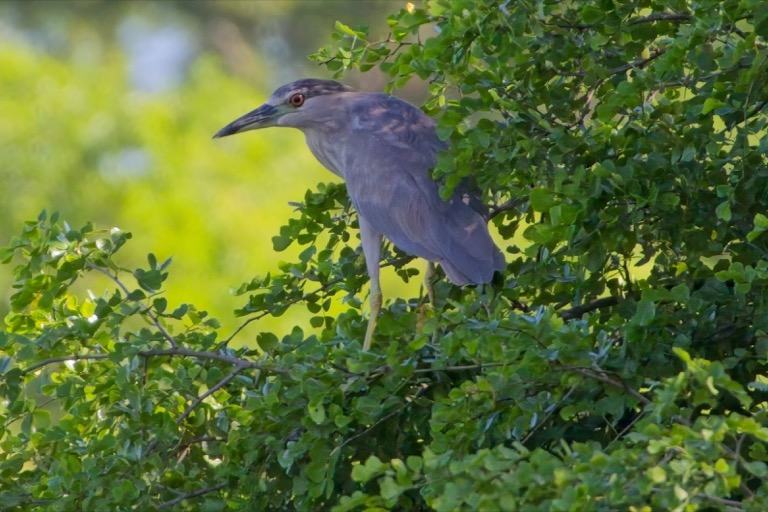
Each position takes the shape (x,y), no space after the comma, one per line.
(297,100)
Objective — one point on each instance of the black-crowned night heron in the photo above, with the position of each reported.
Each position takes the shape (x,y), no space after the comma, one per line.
(384,149)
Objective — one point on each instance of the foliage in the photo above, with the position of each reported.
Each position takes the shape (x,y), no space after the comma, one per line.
(621,365)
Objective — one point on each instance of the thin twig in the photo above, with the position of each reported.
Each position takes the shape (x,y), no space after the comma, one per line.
(626,429)
(546,418)
(422,389)
(197,401)
(324,288)
(148,311)
(61,359)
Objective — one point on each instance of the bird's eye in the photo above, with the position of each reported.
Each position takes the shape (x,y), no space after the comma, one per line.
(297,100)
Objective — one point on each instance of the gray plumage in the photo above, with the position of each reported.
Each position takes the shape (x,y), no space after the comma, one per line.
(401,200)
(384,148)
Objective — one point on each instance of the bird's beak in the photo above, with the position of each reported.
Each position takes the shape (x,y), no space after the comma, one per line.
(262,117)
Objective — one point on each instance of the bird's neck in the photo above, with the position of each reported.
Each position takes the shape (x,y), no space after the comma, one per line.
(325,149)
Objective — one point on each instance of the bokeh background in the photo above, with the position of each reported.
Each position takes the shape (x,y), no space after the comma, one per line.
(106,115)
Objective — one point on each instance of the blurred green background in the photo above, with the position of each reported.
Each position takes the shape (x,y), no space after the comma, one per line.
(108,109)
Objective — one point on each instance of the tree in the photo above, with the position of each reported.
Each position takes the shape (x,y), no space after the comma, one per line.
(619,366)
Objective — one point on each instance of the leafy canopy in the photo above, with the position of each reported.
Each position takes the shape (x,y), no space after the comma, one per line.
(620,366)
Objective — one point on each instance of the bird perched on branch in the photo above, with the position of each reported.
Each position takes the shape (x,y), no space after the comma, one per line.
(384,149)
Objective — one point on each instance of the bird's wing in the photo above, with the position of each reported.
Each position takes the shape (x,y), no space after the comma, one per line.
(392,150)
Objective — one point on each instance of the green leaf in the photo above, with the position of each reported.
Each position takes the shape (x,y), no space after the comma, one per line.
(389,489)
(317,413)
(541,199)
(761,224)
(160,304)
(344,29)
(680,293)
(646,311)
(592,14)
(372,468)
(723,211)
(711,104)
(281,243)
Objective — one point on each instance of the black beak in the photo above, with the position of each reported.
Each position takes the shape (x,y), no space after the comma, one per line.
(262,117)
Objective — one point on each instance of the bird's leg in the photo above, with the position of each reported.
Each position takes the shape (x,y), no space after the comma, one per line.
(372,252)
(429,282)
(375,304)
(430,277)
(423,308)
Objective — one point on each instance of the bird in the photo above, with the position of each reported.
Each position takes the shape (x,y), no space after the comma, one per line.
(384,149)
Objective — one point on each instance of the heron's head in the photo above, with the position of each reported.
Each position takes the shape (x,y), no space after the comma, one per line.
(299,104)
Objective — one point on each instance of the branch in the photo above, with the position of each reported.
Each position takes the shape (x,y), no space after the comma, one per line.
(61,359)
(461,368)
(577,26)
(153,318)
(555,410)
(193,494)
(325,287)
(638,63)
(197,401)
(216,356)
(423,387)
(505,207)
(758,108)
(240,364)
(611,380)
(662,16)
(733,504)
(577,311)
(587,110)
